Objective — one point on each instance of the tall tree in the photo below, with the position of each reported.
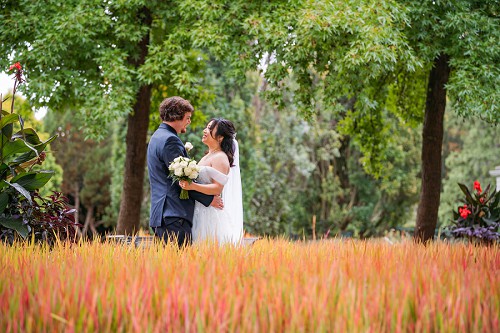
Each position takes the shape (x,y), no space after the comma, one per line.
(460,42)
(432,141)
(103,58)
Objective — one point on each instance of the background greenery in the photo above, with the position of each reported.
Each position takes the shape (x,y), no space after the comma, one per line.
(332,134)
(292,169)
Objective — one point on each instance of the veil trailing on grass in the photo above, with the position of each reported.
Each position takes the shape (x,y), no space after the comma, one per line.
(233,197)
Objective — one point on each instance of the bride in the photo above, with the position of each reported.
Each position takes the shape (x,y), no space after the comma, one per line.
(219,175)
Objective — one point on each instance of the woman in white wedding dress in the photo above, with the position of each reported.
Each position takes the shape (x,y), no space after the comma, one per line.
(219,175)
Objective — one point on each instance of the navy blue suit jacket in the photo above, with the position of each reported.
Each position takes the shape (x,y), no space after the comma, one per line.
(163,147)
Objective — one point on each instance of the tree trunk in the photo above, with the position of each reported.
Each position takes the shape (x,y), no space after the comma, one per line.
(432,136)
(341,167)
(135,159)
(76,193)
(89,222)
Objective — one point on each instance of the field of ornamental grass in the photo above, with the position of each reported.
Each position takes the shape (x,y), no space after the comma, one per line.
(271,286)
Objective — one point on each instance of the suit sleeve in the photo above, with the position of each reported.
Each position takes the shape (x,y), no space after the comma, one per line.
(202,198)
(173,148)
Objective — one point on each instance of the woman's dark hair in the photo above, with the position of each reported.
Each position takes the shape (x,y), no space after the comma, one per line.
(225,128)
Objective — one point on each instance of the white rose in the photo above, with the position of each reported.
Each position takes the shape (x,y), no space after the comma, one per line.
(193,175)
(178,172)
(188,146)
(183,164)
(192,164)
(178,159)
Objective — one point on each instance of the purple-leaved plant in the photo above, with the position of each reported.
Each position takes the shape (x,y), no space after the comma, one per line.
(479,217)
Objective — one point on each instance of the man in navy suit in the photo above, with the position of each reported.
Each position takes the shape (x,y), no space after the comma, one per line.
(172,218)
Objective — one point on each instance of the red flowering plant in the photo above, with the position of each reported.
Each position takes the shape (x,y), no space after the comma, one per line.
(479,216)
(23,212)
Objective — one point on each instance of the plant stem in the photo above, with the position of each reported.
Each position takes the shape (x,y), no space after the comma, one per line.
(13,94)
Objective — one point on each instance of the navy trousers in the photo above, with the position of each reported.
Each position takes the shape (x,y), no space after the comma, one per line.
(175,229)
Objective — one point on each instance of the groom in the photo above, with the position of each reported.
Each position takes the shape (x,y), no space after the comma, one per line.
(172,218)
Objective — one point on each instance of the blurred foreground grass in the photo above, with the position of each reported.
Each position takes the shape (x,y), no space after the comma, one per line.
(271,286)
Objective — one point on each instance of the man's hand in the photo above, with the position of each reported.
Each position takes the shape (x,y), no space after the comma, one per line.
(217,202)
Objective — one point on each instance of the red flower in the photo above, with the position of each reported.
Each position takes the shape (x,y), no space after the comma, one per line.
(481,200)
(477,187)
(18,74)
(464,211)
(16,65)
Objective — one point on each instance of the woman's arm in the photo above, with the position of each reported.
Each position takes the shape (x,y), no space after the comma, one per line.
(211,189)
(221,164)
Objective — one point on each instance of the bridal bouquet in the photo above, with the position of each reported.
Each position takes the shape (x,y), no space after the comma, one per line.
(183,168)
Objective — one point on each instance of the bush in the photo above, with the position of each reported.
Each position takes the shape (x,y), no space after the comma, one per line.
(23,211)
(479,217)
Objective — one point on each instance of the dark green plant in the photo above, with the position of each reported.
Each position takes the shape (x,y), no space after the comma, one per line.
(21,208)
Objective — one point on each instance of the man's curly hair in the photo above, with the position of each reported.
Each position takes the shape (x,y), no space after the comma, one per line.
(174,108)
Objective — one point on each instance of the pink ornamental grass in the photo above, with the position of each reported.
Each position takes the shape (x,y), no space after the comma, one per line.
(272,286)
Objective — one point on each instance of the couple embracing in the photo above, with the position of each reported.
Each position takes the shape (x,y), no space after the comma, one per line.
(214,209)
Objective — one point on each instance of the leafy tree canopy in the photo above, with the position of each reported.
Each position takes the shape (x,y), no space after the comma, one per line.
(83,54)
(345,49)
(378,52)
(469,33)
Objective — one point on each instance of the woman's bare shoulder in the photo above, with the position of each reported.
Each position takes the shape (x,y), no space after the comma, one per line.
(220,162)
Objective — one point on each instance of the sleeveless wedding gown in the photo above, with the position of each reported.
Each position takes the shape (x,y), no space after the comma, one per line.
(214,224)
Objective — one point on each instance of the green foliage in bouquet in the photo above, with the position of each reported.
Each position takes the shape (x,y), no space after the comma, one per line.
(479,217)
(22,211)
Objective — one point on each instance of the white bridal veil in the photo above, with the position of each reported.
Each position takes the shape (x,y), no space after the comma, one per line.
(233,197)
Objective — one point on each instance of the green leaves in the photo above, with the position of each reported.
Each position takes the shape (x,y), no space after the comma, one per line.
(469,33)
(4,201)
(14,147)
(20,150)
(17,186)
(20,189)
(336,49)
(8,119)
(32,181)
(468,196)
(15,224)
